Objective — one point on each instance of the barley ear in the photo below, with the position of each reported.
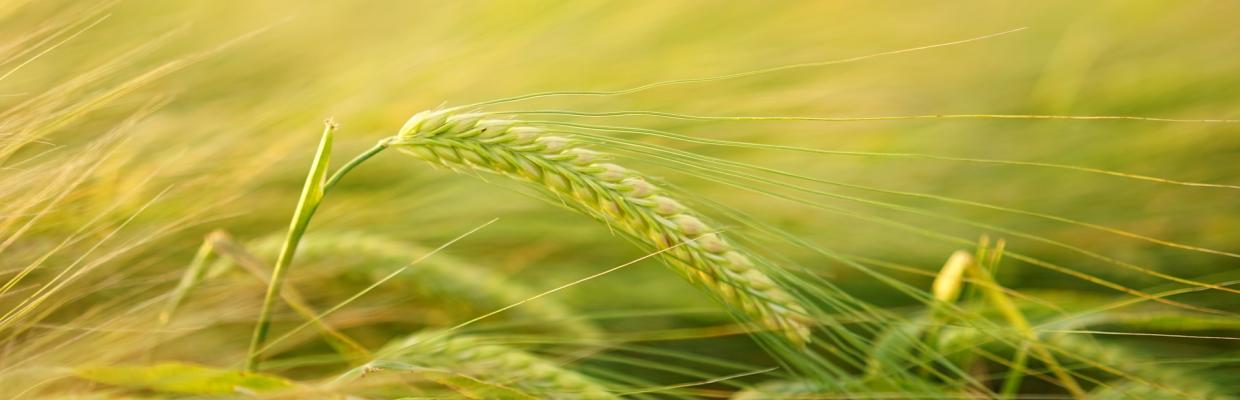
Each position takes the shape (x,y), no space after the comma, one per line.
(487,361)
(622,198)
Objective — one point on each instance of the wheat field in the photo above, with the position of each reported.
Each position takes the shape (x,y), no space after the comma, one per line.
(527,199)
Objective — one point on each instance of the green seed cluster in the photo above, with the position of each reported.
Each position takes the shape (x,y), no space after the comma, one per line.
(619,197)
(496,364)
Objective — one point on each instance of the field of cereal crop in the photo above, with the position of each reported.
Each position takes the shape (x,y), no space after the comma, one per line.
(610,200)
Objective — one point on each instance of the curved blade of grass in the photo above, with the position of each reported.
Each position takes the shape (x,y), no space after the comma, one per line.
(184,379)
(311,193)
(316,186)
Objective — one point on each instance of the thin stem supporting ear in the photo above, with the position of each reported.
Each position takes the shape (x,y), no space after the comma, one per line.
(317,185)
(947,289)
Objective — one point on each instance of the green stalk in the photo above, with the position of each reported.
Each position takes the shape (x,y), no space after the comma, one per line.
(229,249)
(1000,301)
(197,268)
(981,268)
(1011,382)
(312,193)
(366,155)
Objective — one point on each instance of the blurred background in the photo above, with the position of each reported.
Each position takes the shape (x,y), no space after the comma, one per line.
(131,129)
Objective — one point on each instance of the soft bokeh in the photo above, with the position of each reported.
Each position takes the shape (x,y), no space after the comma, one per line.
(131,129)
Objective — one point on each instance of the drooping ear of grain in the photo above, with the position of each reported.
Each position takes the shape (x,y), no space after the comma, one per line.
(617,196)
(493,363)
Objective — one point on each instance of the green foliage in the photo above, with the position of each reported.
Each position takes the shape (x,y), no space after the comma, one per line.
(311,194)
(184,379)
(847,147)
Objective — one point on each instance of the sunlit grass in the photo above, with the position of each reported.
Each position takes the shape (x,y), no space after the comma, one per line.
(152,155)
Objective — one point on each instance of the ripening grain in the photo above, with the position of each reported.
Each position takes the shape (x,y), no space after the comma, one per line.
(612,194)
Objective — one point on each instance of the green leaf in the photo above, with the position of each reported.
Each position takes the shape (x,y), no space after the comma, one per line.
(312,192)
(183,378)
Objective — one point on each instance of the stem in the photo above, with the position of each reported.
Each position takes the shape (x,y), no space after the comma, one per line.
(311,196)
(1011,383)
(994,293)
(344,169)
(193,274)
(197,268)
(348,348)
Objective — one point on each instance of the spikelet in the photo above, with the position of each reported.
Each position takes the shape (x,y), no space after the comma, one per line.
(619,197)
(948,282)
(494,363)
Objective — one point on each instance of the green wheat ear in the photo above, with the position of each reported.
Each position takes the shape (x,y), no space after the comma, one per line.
(617,196)
(486,361)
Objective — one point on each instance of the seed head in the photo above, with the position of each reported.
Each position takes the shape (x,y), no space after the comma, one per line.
(614,194)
